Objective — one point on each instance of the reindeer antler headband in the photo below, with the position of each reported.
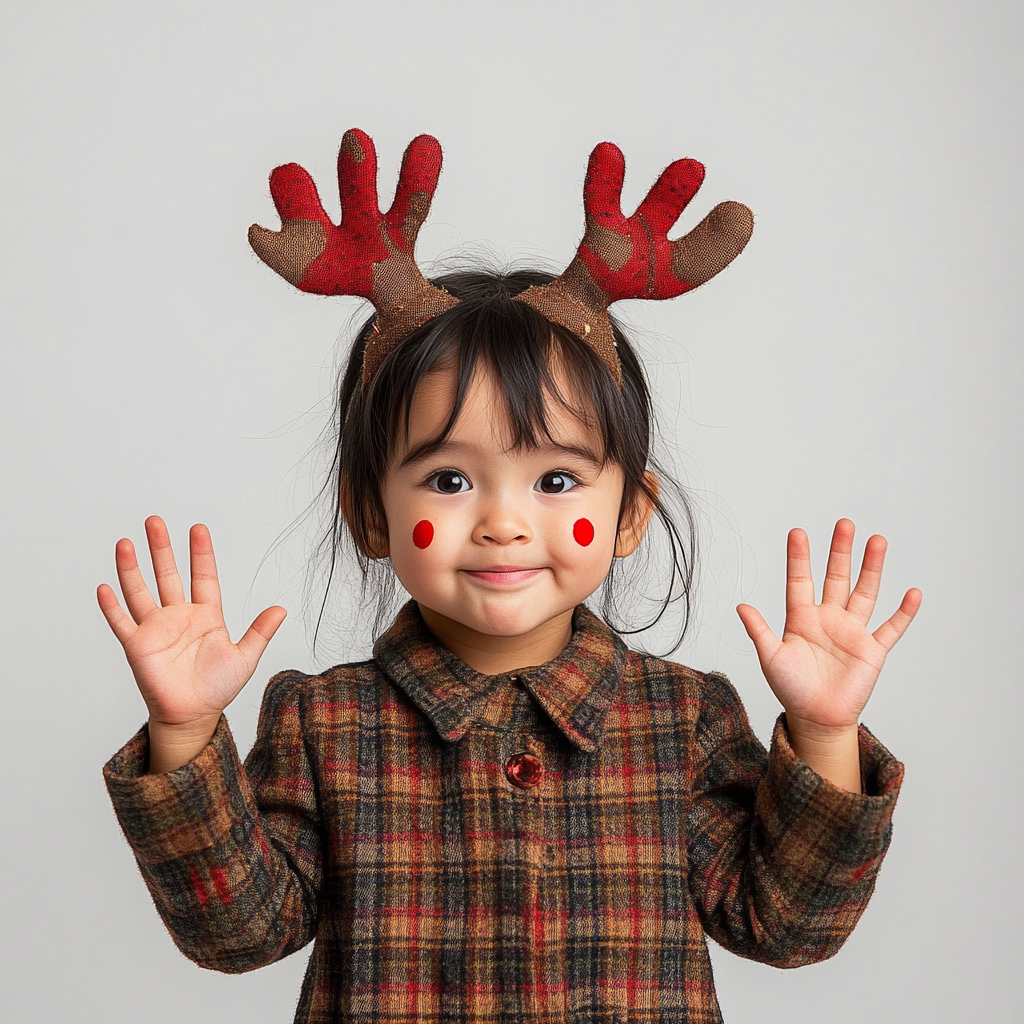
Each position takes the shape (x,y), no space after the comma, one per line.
(371,254)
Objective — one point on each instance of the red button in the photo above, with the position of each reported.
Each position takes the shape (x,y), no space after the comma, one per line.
(524,770)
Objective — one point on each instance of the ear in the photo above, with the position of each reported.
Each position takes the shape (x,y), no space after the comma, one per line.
(635,519)
(377,545)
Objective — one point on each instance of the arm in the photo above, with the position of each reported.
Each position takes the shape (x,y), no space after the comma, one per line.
(231,855)
(782,862)
(235,887)
(784,850)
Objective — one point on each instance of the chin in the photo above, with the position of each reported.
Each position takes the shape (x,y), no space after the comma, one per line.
(499,619)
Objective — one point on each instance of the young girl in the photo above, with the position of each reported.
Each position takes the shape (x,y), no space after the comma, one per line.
(505,815)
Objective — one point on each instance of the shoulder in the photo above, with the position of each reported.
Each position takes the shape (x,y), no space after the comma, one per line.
(708,696)
(710,686)
(335,688)
(319,714)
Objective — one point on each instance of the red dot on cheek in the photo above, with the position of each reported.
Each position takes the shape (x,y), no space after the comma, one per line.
(583,531)
(423,533)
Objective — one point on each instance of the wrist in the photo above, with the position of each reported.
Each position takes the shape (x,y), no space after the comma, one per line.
(833,752)
(817,734)
(171,746)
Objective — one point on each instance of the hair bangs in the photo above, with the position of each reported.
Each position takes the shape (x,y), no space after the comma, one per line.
(532,364)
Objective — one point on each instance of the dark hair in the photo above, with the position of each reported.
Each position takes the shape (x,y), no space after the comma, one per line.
(523,351)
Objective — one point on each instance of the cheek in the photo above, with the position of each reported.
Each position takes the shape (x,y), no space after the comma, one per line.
(420,555)
(583,532)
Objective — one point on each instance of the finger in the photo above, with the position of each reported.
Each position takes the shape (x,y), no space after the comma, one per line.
(259,634)
(118,619)
(836,588)
(892,629)
(168,582)
(799,583)
(766,643)
(136,594)
(203,567)
(865,593)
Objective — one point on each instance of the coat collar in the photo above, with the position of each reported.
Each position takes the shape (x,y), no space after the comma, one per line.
(575,689)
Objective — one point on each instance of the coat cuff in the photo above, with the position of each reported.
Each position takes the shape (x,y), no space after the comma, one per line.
(852,828)
(211,789)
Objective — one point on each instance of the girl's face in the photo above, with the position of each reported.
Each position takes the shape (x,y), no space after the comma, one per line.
(493,543)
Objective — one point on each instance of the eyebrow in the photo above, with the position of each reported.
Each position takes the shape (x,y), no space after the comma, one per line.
(428,450)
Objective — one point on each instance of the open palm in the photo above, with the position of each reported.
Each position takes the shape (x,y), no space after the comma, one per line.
(180,653)
(825,666)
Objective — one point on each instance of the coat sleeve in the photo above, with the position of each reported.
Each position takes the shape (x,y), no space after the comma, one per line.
(782,862)
(232,855)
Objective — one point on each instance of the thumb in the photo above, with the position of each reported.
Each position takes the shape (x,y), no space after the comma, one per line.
(259,634)
(766,643)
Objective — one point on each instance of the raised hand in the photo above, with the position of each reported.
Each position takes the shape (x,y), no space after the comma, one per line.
(825,666)
(180,653)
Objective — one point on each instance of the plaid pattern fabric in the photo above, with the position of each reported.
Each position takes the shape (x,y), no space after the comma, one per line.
(377,814)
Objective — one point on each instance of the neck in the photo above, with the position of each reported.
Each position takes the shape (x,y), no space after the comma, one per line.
(494,655)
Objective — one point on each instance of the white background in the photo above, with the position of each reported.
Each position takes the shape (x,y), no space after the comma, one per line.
(859,359)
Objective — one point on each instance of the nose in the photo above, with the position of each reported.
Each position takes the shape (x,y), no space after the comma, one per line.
(502,521)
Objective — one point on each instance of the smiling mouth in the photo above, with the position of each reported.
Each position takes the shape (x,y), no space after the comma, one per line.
(502,574)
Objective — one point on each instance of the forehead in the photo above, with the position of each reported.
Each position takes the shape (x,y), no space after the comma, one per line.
(485,415)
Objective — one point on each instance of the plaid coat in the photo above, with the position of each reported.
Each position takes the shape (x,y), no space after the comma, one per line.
(544,846)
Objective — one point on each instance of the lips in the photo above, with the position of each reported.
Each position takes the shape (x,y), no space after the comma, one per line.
(502,574)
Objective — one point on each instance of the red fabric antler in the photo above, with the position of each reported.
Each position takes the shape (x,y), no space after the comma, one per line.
(368,253)
(632,258)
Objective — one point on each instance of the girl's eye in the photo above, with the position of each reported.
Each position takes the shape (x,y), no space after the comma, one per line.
(449,481)
(557,482)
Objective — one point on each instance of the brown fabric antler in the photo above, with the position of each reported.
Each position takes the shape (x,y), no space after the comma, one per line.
(632,258)
(368,253)
(371,254)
